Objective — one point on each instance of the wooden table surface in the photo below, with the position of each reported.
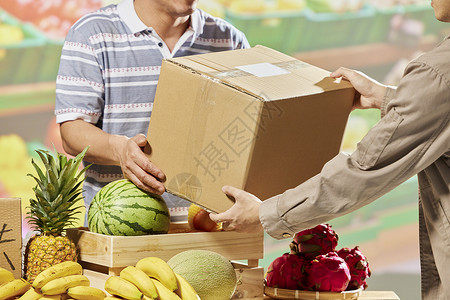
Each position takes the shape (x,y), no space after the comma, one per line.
(99,282)
(365,295)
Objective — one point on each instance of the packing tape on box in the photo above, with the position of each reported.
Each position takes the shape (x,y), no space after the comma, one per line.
(238,72)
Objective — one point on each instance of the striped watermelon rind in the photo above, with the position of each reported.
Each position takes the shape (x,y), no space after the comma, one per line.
(121,208)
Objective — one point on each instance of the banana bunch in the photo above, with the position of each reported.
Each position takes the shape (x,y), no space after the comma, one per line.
(5,276)
(61,281)
(11,287)
(151,278)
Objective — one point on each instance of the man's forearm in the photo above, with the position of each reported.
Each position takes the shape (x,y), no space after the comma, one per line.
(103,147)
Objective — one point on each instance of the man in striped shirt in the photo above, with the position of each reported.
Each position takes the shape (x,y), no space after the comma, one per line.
(107,79)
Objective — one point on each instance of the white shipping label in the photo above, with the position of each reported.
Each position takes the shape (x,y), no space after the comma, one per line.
(263,70)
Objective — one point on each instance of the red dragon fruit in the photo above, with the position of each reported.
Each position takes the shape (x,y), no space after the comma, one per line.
(329,272)
(287,272)
(315,241)
(359,267)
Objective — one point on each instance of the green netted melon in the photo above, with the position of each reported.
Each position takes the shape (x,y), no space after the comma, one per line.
(210,274)
(121,208)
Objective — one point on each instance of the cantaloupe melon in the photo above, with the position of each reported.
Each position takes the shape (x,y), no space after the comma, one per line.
(210,274)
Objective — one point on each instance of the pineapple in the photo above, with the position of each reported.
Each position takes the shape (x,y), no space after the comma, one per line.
(57,192)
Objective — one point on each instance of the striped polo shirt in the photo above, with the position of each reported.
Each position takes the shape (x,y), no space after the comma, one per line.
(109,69)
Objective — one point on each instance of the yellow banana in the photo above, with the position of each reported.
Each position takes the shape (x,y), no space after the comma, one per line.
(163,292)
(117,286)
(157,268)
(31,294)
(62,284)
(5,276)
(86,293)
(16,287)
(112,298)
(52,297)
(185,289)
(140,280)
(57,271)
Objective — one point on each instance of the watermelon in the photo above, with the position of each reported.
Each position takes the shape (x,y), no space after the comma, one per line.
(121,208)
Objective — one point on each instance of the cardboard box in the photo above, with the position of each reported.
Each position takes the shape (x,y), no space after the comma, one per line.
(255,119)
(11,235)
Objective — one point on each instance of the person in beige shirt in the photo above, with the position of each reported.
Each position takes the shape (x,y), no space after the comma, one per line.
(412,138)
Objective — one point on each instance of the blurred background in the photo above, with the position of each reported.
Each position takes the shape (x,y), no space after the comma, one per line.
(378,37)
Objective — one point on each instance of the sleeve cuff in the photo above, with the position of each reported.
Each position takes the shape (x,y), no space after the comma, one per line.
(272,223)
(71,116)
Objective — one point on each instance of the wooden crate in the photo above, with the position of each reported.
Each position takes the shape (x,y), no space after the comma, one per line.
(102,255)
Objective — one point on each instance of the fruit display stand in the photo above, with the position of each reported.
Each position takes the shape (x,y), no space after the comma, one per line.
(303,27)
(303,30)
(333,29)
(50,60)
(102,256)
(19,60)
(271,29)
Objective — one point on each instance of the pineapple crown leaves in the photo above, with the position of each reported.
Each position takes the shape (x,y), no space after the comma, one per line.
(57,191)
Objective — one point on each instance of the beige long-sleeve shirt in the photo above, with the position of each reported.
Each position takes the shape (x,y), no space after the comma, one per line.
(412,137)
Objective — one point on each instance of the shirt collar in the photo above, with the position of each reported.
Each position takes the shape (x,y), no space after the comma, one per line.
(197,22)
(129,16)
